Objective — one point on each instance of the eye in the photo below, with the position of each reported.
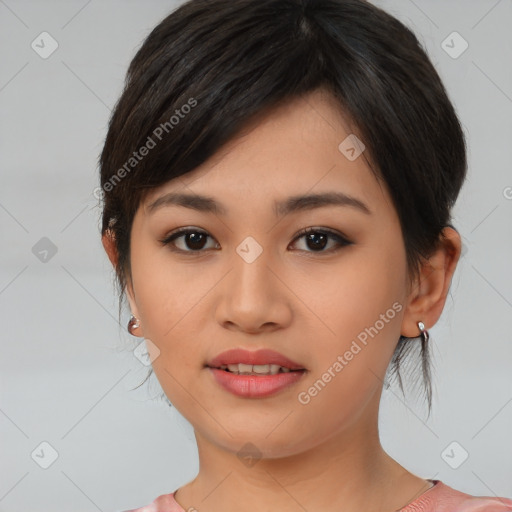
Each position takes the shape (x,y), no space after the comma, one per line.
(192,238)
(317,238)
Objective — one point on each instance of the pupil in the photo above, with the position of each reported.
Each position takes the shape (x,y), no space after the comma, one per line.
(312,238)
(194,238)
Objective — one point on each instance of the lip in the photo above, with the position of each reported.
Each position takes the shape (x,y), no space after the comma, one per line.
(262,356)
(255,386)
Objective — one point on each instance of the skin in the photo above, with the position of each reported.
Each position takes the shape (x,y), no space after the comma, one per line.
(307,303)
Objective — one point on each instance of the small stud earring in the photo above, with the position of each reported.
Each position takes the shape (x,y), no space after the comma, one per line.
(423,332)
(133,324)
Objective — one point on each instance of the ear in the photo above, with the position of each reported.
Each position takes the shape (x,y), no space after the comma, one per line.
(428,293)
(109,244)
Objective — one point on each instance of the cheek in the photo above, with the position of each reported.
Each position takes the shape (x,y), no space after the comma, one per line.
(354,294)
(161,288)
(169,302)
(362,307)
(167,297)
(364,312)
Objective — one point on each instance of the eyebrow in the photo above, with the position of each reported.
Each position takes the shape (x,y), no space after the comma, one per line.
(283,207)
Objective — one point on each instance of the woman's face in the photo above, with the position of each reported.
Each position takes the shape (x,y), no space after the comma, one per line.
(334,308)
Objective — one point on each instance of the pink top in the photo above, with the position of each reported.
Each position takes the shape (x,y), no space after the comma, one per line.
(439,498)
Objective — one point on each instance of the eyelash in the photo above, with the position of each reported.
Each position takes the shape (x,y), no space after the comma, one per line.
(341,240)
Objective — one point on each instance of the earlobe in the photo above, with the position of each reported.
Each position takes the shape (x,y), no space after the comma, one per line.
(134,324)
(428,295)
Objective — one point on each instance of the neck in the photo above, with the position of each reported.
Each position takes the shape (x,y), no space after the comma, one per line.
(349,471)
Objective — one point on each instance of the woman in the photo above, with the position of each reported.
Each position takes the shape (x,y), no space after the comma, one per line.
(278,180)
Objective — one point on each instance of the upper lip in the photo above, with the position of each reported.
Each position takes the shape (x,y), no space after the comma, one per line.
(262,356)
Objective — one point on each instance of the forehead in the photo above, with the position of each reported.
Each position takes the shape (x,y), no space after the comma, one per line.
(299,147)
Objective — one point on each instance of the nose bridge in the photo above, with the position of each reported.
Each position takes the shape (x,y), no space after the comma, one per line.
(250,250)
(251,264)
(253,297)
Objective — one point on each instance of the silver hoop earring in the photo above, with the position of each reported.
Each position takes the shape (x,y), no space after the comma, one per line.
(133,324)
(423,332)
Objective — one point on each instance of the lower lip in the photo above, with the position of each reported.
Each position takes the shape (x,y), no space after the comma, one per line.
(254,386)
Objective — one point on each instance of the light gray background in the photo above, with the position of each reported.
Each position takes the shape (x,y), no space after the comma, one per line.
(67,366)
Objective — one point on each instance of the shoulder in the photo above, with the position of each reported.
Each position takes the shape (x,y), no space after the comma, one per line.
(439,498)
(443,498)
(164,503)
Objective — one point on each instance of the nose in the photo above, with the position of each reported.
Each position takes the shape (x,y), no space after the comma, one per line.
(254,297)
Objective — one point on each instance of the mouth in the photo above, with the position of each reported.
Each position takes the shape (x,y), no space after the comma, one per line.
(254,374)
